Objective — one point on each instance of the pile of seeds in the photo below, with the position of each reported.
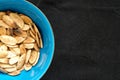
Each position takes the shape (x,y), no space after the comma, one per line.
(20,42)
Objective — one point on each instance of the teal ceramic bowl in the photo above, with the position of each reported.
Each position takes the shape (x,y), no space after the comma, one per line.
(27,8)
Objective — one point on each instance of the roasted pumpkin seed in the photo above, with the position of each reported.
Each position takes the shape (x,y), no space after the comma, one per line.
(28,66)
(26,19)
(33,57)
(8,39)
(17,19)
(13,60)
(21,61)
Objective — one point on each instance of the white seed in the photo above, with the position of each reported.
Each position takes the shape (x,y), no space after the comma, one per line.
(13,60)
(11,54)
(26,27)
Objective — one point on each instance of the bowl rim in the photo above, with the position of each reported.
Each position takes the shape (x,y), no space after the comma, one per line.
(53,39)
(50,58)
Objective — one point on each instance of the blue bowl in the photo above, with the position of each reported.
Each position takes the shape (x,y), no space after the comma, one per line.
(44,27)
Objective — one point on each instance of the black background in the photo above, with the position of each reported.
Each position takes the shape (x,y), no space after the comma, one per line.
(87,39)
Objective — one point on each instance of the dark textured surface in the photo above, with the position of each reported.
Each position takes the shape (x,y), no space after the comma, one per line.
(87,39)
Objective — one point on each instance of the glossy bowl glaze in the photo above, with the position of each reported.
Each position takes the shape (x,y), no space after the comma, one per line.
(44,27)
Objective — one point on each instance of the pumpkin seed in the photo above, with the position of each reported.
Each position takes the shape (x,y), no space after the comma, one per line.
(36,59)
(22,49)
(29,46)
(28,56)
(36,47)
(28,66)
(26,19)
(11,54)
(20,39)
(32,35)
(7,19)
(16,50)
(26,27)
(29,40)
(17,19)
(8,39)
(21,61)
(33,57)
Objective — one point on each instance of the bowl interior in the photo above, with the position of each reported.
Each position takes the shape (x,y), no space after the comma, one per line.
(47,35)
